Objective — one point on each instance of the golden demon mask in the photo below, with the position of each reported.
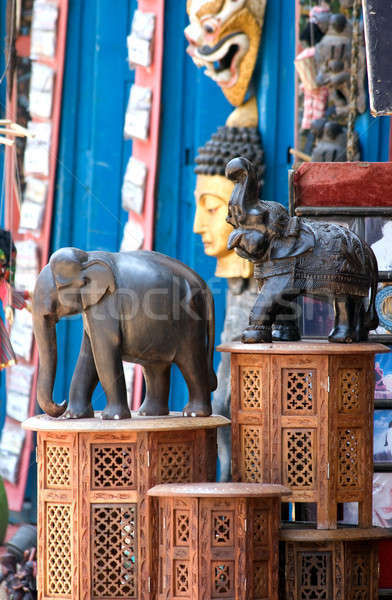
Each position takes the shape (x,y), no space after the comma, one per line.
(224,37)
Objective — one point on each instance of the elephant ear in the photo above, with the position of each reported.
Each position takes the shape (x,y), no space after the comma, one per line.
(296,240)
(98,279)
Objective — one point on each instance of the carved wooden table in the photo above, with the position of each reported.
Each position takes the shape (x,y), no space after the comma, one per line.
(218,540)
(302,416)
(341,564)
(96,526)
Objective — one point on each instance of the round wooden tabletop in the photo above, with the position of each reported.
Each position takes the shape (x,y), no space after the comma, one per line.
(219,490)
(304,347)
(172,422)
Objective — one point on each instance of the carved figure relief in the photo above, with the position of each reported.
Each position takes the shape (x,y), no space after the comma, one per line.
(141,307)
(331,69)
(294,256)
(224,37)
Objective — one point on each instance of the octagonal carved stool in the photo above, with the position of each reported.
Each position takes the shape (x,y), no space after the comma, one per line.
(218,540)
(340,564)
(302,416)
(97,528)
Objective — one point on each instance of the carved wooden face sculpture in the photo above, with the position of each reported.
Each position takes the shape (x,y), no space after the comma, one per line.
(224,37)
(212,198)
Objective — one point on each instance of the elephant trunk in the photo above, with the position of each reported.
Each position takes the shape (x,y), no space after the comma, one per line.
(45,335)
(245,198)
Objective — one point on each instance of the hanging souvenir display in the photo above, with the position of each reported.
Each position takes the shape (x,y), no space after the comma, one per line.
(134,185)
(34,82)
(140,40)
(330,65)
(10,298)
(137,117)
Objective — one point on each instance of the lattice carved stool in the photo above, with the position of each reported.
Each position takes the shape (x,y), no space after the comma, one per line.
(96,527)
(340,564)
(302,416)
(218,540)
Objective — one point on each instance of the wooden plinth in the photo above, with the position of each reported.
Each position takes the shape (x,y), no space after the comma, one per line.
(218,541)
(97,529)
(340,564)
(302,416)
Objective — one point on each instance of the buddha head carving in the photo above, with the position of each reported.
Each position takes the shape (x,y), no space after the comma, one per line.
(213,192)
(224,37)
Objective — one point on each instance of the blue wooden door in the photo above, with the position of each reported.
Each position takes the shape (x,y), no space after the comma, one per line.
(93,153)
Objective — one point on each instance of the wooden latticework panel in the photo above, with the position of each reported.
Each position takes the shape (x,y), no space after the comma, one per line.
(260,526)
(298,394)
(315,576)
(251,454)
(113,466)
(114,551)
(181,578)
(58,466)
(360,576)
(222,528)
(175,463)
(181,527)
(350,390)
(222,579)
(58,560)
(250,382)
(349,457)
(300,452)
(260,580)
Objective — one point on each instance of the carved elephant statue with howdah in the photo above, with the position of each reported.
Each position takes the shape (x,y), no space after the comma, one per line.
(294,256)
(142,307)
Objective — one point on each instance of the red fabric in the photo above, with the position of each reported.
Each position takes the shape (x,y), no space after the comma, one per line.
(343,184)
(385,565)
(4,293)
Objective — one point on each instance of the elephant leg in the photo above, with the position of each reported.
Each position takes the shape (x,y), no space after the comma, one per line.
(157,378)
(106,345)
(263,313)
(195,371)
(347,310)
(285,328)
(362,332)
(84,382)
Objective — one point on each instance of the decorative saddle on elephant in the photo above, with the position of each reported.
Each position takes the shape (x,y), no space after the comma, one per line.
(322,257)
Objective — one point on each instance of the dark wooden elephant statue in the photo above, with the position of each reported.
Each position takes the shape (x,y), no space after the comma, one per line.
(294,256)
(141,307)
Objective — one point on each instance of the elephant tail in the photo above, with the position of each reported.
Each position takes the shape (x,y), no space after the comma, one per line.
(371,317)
(210,316)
